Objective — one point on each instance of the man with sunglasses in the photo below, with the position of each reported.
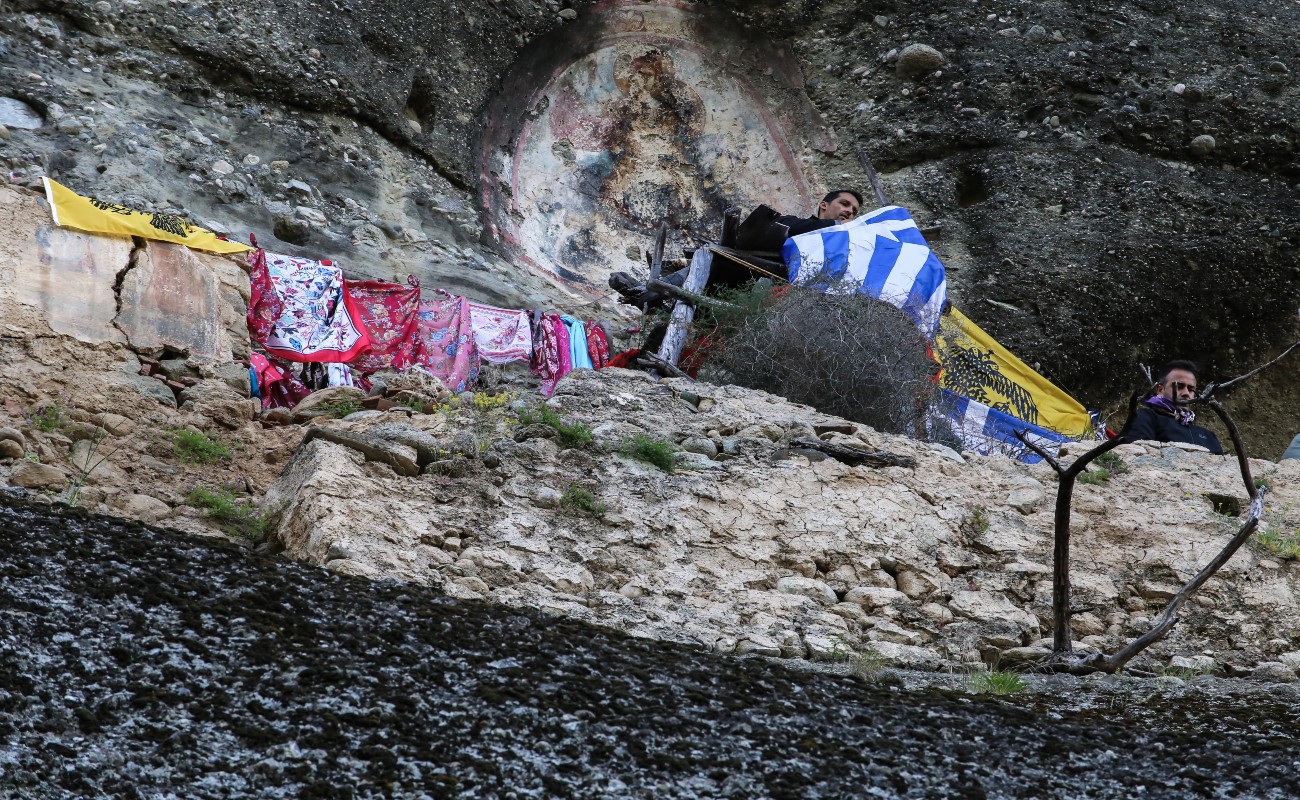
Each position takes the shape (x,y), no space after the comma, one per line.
(1161,418)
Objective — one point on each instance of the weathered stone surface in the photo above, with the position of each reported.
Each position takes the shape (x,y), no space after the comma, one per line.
(218,402)
(11,449)
(808,587)
(142,507)
(401,458)
(169,299)
(873,596)
(66,274)
(31,475)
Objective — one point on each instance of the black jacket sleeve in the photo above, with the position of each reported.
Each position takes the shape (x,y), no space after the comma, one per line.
(1143,427)
(798,225)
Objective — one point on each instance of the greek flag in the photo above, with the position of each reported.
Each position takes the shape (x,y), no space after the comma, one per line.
(986,430)
(882,254)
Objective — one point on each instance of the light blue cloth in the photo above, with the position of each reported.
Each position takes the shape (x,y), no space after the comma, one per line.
(881,254)
(1293,450)
(579,357)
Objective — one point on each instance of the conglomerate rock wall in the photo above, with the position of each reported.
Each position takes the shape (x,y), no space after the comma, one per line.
(1114,183)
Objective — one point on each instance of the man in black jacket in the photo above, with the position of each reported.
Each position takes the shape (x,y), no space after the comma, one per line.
(1162,419)
(838,206)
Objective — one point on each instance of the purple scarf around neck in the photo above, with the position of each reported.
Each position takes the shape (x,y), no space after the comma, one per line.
(1182,414)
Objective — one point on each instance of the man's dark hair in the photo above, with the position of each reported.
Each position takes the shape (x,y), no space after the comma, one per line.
(1183,364)
(832,195)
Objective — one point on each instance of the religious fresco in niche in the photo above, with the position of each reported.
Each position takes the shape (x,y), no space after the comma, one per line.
(642,113)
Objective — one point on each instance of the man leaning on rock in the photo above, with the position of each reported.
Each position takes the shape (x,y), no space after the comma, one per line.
(1162,418)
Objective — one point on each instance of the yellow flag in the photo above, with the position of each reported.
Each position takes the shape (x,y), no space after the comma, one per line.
(71,210)
(976,366)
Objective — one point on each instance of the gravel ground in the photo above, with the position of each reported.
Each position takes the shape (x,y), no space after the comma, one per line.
(139,663)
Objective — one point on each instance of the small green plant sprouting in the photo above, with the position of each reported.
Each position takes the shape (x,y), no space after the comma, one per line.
(196,447)
(1184,673)
(977,520)
(338,409)
(1263,485)
(48,417)
(88,464)
(649,449)
(571,434)
(996,682)
(869,664)
(1280,543)
(487,403)
(1095,477)
(236,517)
(577,500)
(1112,463)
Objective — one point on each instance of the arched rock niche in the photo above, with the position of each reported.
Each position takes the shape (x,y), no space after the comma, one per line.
(638,113)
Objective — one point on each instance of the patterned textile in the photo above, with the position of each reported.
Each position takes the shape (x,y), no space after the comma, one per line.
(445,336)
(390,314)
(597,346)
(299,310)
(340,375)
(546,353)
(881,254)
(987,431)
(562,343)
(280,389)
(503,336)
(578,357)
(977,366)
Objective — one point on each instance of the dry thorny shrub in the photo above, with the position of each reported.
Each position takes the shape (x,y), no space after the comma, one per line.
(844,354)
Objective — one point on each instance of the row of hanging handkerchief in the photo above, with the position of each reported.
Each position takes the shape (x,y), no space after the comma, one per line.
(305,311)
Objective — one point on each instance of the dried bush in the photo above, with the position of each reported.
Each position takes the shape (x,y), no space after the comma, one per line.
(844,354)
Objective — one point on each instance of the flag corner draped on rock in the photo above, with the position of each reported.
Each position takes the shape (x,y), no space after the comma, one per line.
(71,210)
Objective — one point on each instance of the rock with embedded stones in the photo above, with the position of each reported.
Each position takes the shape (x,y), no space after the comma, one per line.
(33,475)
(916,60)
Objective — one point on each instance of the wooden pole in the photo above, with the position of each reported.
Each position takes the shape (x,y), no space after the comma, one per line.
(876,185)
(683,312)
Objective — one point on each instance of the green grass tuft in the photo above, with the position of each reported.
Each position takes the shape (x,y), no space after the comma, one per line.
(1183,673)
(571,434)
(195,447)
(649,449)
(1112,462)
(236,517)
(577,500)
(1283,544)
(996,682)
(337,410)
(1096,477)
(977,520)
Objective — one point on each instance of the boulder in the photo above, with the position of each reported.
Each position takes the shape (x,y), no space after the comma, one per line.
(808,587)
(215,400)
(141,506)
(11,449)
(916,60)
(401,458)
(327,400)
(34,475)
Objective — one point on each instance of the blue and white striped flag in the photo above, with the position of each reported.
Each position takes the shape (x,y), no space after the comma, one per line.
(881,253)
(987,431)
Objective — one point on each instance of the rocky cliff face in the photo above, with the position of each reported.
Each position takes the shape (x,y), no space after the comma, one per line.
(1114,183)
(754,544)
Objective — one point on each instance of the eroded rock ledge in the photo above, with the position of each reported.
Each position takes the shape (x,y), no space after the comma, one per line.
(772,549)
